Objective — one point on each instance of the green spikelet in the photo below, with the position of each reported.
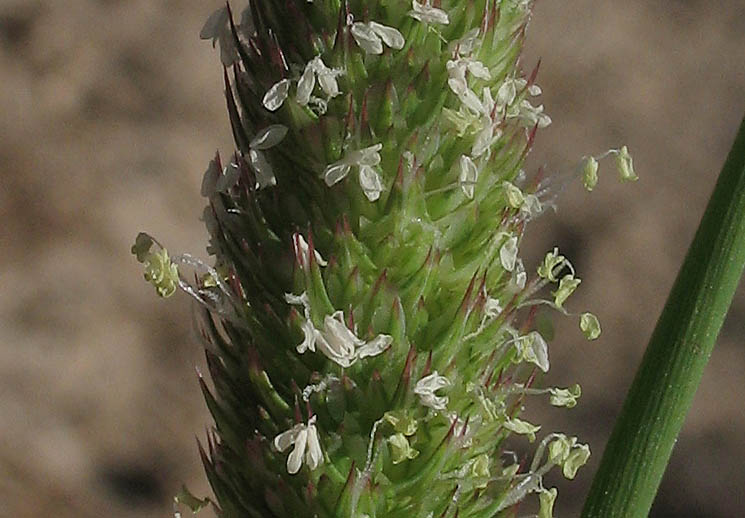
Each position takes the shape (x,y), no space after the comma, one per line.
(368,324)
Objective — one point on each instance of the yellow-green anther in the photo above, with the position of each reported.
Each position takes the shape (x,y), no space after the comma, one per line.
(402,422)
(521,427)
(400,448)
(513,194)
(161,273)
(625,165)
(590,173)
(490,408)
(185,497)
(567,285)
(553,261)
(589,325)
(575,460)
(547,497)
(559,449)
(566,397)
(480,470)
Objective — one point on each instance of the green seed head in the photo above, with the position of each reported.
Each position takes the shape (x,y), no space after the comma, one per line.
(368,322)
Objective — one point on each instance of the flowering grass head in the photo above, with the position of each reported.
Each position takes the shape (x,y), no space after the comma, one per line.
(368,322)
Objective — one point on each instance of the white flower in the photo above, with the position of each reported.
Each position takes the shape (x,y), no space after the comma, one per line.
(336,341)
(265,139)
(428,14)
(317,70)
(370,182)
(301,251)
(469,174)
(508,254)
(366,159)
(518,279)
(305,85)
(509,89)
(534,90)
(474,116)
(477,69)
(458,67)
(532,115)
(506,93)
(339,344)
(309,337)
(276,95)
(326,77)
(465,45)
(426,388)
(371,36)
(305,439)
(459,85)
(492,307)
(489,130)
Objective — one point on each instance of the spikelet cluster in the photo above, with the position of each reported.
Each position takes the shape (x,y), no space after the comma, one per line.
(368,322)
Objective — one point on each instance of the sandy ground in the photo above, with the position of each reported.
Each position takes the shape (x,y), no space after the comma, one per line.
(110,112)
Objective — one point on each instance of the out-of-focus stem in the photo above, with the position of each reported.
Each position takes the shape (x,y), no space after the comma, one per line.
(661,394)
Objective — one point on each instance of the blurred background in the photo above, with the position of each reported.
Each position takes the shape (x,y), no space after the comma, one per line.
(110,112)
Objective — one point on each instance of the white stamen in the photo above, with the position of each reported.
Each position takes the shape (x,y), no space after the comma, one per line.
(532,115)
(326,77)
(508,254)
(265,139)
(506,93)
(468,175)
(305,439)
(276,95)
(426,388)
(466,44)
(370,182)
(492,308)
(305,85)
(428,14)
(477,69)
(365,159)
(336,341)
(335,173)
(390,35)
(366,38)
(471,101)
